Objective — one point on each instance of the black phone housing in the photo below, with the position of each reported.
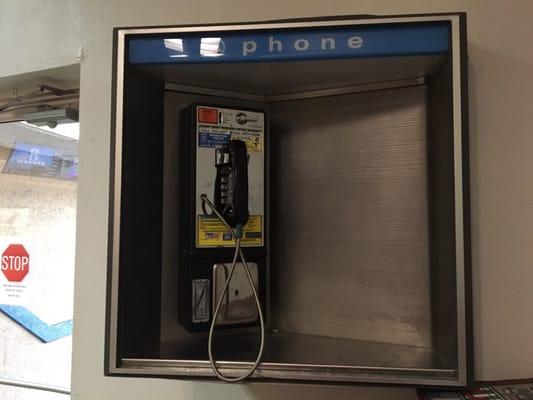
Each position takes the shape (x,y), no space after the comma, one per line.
(197,263)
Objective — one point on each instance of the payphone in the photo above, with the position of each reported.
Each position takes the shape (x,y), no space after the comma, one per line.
(222,269)
(353,224)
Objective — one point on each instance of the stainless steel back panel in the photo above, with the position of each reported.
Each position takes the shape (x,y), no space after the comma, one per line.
(351,226)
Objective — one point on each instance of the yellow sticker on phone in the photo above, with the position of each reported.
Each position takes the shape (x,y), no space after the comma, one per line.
(211,232)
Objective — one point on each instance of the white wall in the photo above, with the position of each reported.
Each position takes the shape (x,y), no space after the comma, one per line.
(501,63)
(37,35)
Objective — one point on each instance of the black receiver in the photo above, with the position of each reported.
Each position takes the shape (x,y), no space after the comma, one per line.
(231,184)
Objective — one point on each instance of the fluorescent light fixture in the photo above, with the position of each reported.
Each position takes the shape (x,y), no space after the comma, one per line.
(70,131)
(211,47)
(174,44)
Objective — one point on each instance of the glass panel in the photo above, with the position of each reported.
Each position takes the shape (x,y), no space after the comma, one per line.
(38,189)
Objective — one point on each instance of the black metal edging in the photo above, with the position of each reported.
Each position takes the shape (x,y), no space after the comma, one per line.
(467,227)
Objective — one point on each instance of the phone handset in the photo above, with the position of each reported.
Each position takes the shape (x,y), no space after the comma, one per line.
(230,205)
(231,183)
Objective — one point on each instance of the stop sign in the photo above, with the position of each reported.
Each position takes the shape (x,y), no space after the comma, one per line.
(15,262)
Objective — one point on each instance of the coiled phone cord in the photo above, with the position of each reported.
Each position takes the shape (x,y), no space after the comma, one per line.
(237,234)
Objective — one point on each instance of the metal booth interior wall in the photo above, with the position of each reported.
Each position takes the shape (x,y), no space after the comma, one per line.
(363,282)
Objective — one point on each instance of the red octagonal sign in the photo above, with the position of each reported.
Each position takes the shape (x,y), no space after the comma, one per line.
(15,263)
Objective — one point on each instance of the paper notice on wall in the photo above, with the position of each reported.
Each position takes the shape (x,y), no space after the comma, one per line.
(16,271)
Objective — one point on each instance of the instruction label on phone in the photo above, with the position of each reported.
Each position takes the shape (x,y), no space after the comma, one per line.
(213,233)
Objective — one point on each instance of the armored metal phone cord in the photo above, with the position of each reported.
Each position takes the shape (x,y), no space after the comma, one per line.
(237,234)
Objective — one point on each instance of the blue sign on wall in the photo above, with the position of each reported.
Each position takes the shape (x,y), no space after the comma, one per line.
(302,44)
(43,161)
(27,156)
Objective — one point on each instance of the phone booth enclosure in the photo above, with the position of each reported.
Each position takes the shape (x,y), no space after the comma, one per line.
(367,265)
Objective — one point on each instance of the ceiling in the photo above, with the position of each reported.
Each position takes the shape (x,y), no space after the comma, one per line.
(276,78)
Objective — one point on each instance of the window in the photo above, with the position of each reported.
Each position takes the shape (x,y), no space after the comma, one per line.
(38,190)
